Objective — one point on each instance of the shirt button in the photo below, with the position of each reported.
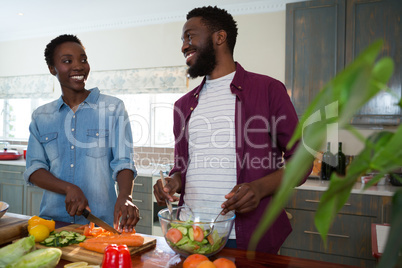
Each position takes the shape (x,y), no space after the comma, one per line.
(97,134)
(196,96)
(73,116)
(239,87)
(191,108)
(72,129)
(72,147)
(72,165)
(183,128)
(46,138)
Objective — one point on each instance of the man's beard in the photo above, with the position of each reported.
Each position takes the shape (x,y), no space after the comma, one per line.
(205,62)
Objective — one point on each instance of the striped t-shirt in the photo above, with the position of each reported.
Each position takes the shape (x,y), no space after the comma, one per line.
(211,171)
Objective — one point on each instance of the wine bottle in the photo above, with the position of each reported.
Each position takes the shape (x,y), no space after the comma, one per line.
(327,165)
(340,161)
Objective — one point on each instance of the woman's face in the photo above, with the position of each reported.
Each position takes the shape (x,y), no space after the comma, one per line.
(70,66)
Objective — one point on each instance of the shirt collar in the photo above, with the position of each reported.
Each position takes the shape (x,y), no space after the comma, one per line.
(236,82)
(91,99)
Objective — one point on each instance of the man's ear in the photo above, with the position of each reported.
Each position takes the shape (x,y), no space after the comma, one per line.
(220,37)
(52,70)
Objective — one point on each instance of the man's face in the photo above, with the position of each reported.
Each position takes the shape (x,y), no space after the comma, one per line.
(70,66)
(198,48)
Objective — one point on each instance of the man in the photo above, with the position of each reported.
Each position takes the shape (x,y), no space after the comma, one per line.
(231,133)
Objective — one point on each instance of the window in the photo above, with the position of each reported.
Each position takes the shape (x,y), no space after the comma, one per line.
(151,117)
(16,116)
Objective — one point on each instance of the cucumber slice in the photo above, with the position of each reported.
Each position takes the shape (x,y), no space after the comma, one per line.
(64,233)
(48,240)
(183,230)
(191,234)
(80,238)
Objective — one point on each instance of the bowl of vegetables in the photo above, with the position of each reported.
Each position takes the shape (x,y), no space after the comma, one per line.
(187,231)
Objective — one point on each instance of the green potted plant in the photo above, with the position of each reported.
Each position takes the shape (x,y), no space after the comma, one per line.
(335,105)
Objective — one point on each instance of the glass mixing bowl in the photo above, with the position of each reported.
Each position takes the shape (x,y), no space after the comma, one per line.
(185,229)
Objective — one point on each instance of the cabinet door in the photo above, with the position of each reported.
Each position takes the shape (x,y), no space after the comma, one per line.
(12,192)
(368,21)
(34,198)
(315,41)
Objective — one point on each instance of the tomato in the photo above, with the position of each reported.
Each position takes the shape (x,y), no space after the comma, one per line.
(198,233)
(174,235)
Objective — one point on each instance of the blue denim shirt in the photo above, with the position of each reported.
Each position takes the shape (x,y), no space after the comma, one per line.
(86,148)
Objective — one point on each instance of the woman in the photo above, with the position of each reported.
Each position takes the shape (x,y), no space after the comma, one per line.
(80,145)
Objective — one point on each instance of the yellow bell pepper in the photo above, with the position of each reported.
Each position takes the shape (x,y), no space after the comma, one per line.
(35,220)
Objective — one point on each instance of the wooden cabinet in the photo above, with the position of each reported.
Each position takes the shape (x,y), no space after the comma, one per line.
(367,21)
(142,198)
(349,238)
(12,190)
(323,36)
(33,199)
(315,41)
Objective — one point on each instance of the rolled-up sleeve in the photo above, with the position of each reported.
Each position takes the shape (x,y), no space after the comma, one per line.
(123,152)
(35,157)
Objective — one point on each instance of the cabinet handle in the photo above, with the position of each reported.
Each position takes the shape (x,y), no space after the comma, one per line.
(318,201)
(334,235)
(137,200)
(13,172)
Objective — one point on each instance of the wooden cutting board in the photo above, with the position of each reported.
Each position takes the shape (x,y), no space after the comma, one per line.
(75,253)
(12,228)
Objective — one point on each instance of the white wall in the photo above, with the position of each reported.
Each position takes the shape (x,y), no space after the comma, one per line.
(260,48)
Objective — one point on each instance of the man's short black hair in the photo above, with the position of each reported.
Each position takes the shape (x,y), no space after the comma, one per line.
(50,48)
(217,19)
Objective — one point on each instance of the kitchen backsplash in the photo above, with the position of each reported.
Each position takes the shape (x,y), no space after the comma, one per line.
(149,157)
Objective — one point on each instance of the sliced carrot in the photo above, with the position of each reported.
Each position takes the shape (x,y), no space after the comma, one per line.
(132,240)
(98,247)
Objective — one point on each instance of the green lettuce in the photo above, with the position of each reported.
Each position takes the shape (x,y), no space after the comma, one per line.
(16,250)
(43,258)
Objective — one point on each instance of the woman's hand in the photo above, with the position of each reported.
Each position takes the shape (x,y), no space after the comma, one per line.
(75,200)
(126,212)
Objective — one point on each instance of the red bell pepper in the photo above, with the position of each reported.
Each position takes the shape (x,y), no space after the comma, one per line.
(116,257)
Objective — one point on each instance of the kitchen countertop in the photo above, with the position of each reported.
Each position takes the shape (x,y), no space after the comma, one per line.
(313,183)
(321,185)
(162,256)
(18,162)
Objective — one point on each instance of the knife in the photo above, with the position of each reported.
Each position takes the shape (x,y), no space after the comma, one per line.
(169,205)
(99,222)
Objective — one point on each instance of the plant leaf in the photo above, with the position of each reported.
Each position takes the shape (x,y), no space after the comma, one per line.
(335,105)
(393,248)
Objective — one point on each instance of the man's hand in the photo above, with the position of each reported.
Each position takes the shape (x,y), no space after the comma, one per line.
(161,193)
(243,198)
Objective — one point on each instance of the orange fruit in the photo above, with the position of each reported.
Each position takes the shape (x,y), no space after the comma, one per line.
(224,263)
(206,264)
(193,260)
